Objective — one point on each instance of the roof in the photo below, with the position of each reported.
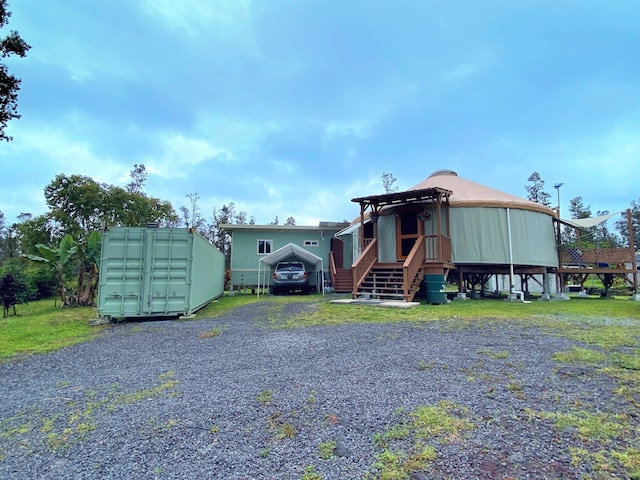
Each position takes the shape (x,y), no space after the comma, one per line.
(291,249)
(323,226)
(398,198)
(471,194)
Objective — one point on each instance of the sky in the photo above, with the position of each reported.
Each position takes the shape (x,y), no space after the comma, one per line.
(291,108)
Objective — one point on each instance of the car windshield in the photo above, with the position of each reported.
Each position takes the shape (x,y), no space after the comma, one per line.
(289,266)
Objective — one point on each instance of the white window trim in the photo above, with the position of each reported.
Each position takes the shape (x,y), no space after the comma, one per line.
(266,241)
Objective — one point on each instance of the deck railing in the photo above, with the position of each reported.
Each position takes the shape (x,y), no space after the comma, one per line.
(412,265)
(593,257)
(438,248)
(364,264)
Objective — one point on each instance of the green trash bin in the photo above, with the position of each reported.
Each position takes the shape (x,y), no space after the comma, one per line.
(436,288)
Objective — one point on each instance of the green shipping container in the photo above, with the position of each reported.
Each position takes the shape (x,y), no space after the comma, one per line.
(152,272)
(436,289)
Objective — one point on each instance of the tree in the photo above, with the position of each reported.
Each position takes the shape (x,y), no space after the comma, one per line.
(602,237)
(13,286)
(276,221)
(388,179)
(57,258)
(241,218)
(4,250)
(290,221)
(536,191)
(577,208)
(77,202)
(598,235)
(191,214)
(32,231)
(12,44)
(139,177)
(88,256)
(218,235)
(7,240)
(623,228)
(80,205)
(9,293)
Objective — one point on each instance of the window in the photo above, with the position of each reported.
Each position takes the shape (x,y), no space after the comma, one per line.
(264,247)
(311,243)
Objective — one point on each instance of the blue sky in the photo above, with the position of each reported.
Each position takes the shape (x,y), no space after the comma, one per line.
(293,107)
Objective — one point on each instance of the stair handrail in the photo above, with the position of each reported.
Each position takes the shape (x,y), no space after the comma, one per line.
(332,264)
(332,268)
(412,264)
(364,264)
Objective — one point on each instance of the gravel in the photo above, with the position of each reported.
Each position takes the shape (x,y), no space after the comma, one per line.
(169,399)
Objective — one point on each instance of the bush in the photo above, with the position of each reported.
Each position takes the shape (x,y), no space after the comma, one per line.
(13,291)
(41,280)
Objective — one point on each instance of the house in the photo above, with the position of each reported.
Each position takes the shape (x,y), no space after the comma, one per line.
(449,226)
(255,249)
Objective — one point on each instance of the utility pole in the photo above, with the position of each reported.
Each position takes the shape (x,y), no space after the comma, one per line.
(557,187)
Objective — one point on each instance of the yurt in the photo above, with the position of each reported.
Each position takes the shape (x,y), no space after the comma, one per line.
(449,226)
(489,228)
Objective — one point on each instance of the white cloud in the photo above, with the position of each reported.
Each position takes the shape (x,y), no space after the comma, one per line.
(235,135)
(459,72)
(25,198)
(361,128)
(194,16)
(64,154)
(180,151)
(476,63)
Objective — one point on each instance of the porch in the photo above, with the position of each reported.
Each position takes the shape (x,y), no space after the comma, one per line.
(419,221)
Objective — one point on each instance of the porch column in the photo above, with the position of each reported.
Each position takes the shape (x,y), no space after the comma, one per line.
(632,245)
(362,209)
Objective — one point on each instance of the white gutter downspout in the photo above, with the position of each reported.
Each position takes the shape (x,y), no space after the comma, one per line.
(259,279)
(511,290)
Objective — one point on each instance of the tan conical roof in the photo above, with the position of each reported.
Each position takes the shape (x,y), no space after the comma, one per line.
(471,194)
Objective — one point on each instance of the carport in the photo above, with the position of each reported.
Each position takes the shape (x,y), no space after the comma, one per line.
(284,253)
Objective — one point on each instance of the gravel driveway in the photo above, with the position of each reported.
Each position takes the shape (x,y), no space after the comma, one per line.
(230,399)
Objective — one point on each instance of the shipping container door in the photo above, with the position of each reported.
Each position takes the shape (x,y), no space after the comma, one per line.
(167,278)
(121,275)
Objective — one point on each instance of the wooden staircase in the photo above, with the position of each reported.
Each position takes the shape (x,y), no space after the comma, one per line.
(343,280)
(383,282)
(415,284)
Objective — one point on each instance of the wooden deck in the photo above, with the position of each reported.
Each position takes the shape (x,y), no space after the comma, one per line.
(577,263)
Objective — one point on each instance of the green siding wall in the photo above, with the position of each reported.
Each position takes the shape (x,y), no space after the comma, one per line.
(245,257)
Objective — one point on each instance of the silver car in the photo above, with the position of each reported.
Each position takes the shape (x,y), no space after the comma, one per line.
(290,277)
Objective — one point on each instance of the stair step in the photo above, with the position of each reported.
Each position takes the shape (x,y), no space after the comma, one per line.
(380,296)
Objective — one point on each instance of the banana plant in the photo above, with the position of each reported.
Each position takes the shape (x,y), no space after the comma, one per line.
(88,253)
(57,257)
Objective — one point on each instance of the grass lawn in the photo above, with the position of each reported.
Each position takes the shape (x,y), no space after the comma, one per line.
(40,327)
